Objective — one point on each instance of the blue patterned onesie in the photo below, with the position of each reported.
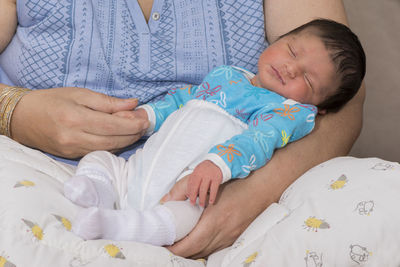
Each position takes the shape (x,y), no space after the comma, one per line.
(272,120)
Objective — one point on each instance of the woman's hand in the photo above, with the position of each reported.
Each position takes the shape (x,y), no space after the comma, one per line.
(70,122)
(8,22)
(221,224)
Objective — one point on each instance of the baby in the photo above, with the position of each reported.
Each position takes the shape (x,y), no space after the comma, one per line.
(222,129)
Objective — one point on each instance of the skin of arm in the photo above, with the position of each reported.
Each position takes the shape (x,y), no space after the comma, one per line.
(8,22)
(241,201)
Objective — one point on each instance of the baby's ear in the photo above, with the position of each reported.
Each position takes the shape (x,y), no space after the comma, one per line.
(321,111)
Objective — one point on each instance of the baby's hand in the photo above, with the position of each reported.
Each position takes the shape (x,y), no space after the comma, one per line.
(206,177)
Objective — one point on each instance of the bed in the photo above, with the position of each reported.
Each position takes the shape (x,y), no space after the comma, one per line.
(345,211)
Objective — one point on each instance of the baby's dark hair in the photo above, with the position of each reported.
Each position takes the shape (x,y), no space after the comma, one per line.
(347,55)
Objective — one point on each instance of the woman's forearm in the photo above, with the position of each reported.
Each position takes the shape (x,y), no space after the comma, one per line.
(8,22)
(282,16)
(242,200)
(333,136)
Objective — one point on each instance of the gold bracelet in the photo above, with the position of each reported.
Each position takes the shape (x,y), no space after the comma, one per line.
(3,103)
(5,99)
(9,98)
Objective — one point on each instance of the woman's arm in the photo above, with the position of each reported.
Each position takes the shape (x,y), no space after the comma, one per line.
(241,201)
(284,15)
(8,22)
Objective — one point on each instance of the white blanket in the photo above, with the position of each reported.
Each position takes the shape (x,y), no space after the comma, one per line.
(344,212)
(35,220)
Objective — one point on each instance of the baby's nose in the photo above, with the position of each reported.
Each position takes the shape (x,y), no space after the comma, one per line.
(292,70)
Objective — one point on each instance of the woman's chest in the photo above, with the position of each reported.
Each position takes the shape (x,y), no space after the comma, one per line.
(110,44)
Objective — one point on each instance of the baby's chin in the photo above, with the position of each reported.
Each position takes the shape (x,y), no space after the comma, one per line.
(254,81)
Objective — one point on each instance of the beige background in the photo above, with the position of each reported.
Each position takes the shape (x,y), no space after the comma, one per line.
(377,23)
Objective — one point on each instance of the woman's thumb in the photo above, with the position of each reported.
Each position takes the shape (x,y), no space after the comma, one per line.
(177,193)
(119,104)
(109,104)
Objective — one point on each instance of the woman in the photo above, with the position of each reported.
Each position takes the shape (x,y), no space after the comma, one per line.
(71,121)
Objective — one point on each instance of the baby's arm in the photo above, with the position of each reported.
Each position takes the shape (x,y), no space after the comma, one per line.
(175,98)
(270,128)
(157,112)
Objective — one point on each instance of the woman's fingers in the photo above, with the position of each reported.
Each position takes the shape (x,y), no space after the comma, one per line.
(205,238)
(102,102)
(221,224)
(194,243)
(99,123)
(70,122)
(109,142)
(95,114)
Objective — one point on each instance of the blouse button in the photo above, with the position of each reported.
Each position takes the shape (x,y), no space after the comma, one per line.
(155,16)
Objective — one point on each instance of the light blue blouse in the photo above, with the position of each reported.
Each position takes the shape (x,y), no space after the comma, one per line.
(107,46)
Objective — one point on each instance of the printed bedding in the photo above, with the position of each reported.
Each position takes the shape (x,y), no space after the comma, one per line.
(344,212)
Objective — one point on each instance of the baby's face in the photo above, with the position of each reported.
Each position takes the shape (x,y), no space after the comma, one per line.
(297,67)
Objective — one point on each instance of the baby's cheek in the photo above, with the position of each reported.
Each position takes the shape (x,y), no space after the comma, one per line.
(299,91)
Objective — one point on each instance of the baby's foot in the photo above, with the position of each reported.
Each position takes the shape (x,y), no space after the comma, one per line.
(154,226)
(87,192)
(87,224)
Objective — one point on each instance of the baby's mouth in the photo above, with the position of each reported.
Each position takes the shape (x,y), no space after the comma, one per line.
(278,75)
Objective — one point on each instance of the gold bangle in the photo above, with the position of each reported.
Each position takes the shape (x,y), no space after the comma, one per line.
(9,98)
(6,97)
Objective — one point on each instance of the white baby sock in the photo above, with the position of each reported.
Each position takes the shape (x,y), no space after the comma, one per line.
(88,192)
(153,226)
(185,216)
(162,225)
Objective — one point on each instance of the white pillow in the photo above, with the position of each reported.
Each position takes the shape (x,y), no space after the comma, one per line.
(344,212)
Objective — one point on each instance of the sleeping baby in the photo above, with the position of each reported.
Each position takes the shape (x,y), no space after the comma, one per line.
(208,134)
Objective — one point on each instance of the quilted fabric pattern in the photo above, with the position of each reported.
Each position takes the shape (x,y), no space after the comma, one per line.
(36,220)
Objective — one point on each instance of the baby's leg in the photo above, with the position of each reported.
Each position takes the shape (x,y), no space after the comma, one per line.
(161,225)
(95,181)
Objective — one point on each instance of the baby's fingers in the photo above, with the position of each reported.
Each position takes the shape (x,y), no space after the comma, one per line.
(193,188)
(205,185)
(213,191)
